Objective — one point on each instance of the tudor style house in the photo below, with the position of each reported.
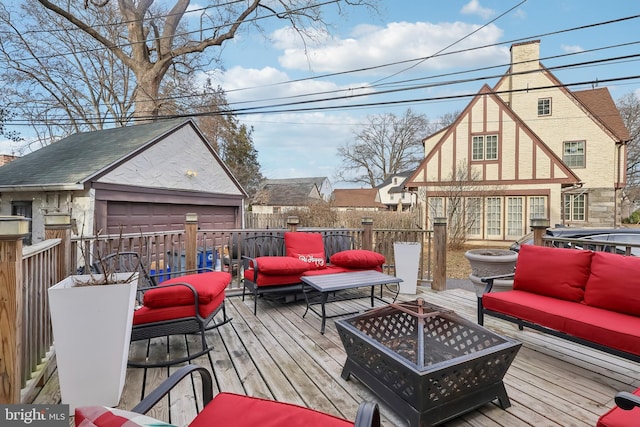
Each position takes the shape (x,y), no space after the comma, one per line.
(526,148)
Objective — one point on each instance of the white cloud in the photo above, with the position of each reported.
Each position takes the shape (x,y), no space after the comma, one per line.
(474,8)
(571,48)
(371,46)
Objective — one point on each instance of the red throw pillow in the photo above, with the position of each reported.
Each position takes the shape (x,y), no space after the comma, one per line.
(614,283)
(207,285)
(307,247)
(554,272)
(101,416)
(357,258)
(280,265)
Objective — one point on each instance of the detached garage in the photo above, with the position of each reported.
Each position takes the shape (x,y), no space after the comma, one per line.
(131,179)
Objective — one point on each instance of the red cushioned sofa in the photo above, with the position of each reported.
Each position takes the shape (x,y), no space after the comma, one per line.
(278,270)
(592,298)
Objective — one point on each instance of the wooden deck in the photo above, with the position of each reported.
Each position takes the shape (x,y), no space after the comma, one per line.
(279,355)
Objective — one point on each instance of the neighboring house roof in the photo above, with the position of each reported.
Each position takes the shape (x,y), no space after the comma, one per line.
(399,188)
(74,160)
(288,191)
(356,198)
(599,102)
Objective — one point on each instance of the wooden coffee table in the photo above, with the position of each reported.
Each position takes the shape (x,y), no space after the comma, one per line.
(326,284)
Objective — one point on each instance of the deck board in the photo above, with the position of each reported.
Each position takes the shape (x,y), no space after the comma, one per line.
(280,355)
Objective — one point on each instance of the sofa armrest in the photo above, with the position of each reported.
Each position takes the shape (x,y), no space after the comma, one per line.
(167,385)
(627,401)
(489,280)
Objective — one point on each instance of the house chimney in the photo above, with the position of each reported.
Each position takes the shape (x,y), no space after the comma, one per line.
(525,56)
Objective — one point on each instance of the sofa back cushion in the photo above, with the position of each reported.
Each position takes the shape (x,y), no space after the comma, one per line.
(614,283)
(307,247)
(554,272)
(279,265)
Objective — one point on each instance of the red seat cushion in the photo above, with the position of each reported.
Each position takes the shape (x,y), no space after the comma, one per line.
(614,283)
(208,286)
(555,272)
(233,410)
(271,279)
(357,258)
(606,327)
(145,314)
(307,247)
(617,417)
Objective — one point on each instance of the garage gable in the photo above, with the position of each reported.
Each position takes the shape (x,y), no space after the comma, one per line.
(181,160)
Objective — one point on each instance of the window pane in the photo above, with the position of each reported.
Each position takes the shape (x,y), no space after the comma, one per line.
(573,154)
(494,216)
(437,207)
(544,106)
(473,216)
(537,207)
(514,216)
(492,147)
(578,208)
(478,148)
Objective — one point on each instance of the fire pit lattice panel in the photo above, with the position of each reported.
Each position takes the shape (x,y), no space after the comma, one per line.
(436,362)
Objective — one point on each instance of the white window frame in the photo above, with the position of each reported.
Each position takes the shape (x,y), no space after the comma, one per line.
(573,154)
(574,207)
(484,147)
(538,207)
(493,217)
(515,216)
(474,213)
(544,106)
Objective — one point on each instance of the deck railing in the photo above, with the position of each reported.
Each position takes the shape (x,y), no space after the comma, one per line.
(27,355)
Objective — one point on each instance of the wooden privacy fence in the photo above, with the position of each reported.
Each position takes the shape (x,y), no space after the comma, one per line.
(26,272)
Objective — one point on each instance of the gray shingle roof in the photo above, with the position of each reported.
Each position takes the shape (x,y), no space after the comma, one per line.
(75,159)
(287,192)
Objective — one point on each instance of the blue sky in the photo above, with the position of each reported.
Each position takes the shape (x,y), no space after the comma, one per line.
(303,144)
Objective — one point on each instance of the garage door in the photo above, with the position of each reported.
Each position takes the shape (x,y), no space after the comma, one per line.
(157,217)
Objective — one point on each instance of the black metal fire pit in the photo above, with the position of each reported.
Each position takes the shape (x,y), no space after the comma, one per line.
(426,362)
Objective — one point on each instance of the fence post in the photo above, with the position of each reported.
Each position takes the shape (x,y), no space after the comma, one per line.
(12,230)
(292,223)
(190,240)
(367,233)
(439,282)
(58,226)
(539,226)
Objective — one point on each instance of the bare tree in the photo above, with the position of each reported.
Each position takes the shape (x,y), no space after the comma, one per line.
(629,106)
(459,201)
(387,145)
(84,65)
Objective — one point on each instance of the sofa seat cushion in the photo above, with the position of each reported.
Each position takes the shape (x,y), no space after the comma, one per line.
(270,279)
(618,417)
(609,328)
(358,259)
(614,283)
(308,247)
(279,265)
(554,272)
(102,416)
(233,410)
(207,285)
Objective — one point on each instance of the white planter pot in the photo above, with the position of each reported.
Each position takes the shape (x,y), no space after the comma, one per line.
(92,333)
(407,260)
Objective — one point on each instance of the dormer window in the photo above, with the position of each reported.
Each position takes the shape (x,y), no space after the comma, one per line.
(544,107)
